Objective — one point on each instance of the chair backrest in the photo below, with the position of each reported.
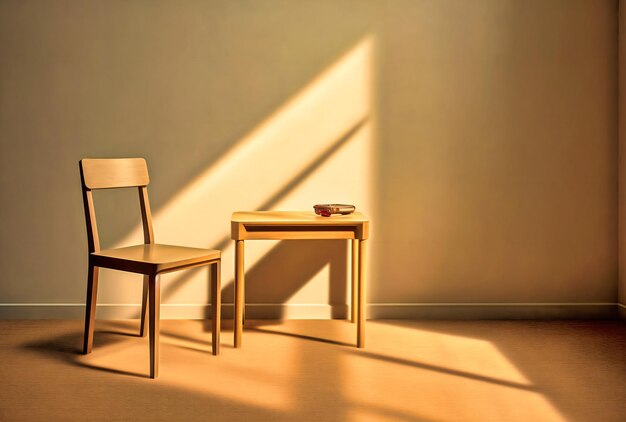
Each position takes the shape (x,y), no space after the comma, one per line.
(106,173)
(110,173)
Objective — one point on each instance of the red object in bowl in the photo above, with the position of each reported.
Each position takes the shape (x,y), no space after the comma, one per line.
(326,210)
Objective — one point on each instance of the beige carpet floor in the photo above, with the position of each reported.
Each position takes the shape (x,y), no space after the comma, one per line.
(310,371)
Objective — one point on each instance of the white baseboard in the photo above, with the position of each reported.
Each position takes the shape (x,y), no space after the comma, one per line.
(474,311)
(325,311)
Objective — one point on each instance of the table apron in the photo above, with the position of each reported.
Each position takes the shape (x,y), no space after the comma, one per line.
(285,235)
(296,232)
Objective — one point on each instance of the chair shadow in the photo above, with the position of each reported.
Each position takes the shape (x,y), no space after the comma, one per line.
(113,370)
(172,334)
(119,333)
(192,340)
(67,349)
(64,348)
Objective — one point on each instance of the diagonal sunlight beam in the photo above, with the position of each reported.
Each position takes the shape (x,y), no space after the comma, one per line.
(312,167)
(281,194)
(286,162)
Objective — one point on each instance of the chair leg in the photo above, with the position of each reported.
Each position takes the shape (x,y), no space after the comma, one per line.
(216,305)
(90,307)
(143,328)
(154,300)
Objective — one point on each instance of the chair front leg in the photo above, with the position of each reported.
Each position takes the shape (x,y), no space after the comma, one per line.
(143,328)
(216,305)
(154,294)
(90,307)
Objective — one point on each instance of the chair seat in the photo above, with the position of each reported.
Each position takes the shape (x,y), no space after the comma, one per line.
(153,258)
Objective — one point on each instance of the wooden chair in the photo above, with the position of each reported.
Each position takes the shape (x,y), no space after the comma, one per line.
(149,259)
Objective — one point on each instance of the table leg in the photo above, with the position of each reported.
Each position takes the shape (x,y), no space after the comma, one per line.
(216,305)
(239,283)
(360,337)
(243,300)
(355,280)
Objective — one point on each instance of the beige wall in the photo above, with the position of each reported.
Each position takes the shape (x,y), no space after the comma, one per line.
(480,136)
(497,152)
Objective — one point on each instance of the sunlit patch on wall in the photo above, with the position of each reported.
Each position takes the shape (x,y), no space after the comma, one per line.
(315,148)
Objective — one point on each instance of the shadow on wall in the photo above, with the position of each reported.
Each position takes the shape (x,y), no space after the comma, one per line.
(183,85)
(315,148)
(331,252)
(297,272)
(495,181)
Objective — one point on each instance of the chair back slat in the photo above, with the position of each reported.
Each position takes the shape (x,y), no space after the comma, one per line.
(146,215)
(107,173)
(93,240)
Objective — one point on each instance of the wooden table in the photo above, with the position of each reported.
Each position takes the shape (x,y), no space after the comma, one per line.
(289,225)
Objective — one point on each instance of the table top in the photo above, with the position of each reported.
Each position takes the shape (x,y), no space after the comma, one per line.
(296,217)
